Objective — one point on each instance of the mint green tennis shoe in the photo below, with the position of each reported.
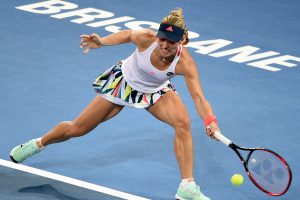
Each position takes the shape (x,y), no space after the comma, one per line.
(23,151)
(192,192)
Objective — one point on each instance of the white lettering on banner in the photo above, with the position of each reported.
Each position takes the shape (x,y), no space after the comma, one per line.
(86,14)
(113,28)
(280,60)
(244,54)
(111,21)
(133,25)
(89,16)
(136,25)
(212,45)
(48,7)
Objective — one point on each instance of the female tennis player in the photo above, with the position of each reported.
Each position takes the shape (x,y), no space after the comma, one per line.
(142,81)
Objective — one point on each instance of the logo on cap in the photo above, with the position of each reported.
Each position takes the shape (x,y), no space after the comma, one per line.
(169,29)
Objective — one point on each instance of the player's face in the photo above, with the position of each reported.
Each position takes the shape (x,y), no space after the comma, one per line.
(167,48)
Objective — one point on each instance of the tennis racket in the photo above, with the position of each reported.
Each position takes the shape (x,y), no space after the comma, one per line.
(265,168)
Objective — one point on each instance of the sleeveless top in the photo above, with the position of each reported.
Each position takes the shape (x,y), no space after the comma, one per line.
(142,76)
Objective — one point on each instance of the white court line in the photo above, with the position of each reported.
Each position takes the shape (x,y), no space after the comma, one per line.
(71,181)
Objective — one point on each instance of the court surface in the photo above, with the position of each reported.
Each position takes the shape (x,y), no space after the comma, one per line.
(45,79)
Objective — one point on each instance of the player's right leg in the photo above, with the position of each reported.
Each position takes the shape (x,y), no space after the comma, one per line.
(171,110)
(99,110)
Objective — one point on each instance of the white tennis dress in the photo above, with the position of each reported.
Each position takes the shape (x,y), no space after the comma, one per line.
(135,81)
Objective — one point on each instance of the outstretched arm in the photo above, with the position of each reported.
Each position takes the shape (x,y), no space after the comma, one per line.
(93,41)
(189,70)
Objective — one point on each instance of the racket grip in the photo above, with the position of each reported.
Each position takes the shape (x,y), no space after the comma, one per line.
(222,138)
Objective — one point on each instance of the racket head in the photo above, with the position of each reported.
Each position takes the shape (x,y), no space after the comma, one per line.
(268,171)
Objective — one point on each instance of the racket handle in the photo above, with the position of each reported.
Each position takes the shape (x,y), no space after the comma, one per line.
(222,138)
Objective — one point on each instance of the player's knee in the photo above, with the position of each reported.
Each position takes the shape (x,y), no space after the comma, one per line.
(183,125)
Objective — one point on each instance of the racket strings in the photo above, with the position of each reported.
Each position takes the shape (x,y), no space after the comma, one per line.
(269,171)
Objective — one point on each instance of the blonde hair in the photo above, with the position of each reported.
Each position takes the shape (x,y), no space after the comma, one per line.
(175,18)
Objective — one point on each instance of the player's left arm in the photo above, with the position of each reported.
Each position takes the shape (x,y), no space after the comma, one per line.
(188,68)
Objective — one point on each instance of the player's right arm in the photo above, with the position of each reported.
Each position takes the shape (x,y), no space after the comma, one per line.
(142,38)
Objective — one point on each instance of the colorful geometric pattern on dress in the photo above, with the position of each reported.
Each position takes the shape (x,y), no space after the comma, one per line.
(112,84)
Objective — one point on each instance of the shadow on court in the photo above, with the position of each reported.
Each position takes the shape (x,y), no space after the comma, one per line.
(21,185)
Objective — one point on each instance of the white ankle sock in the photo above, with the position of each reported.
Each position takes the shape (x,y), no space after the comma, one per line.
(185,183)
(39,143)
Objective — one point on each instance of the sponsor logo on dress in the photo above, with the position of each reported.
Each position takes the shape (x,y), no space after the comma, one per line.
(151,73)
(170,74)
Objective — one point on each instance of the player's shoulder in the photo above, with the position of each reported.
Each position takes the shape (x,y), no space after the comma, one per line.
(187,64)
(143,36)
(145,32)
(185,56)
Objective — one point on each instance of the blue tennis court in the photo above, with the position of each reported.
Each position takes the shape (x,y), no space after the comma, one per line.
(248,57)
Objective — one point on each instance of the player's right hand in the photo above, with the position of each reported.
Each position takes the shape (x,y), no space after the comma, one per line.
(89,42)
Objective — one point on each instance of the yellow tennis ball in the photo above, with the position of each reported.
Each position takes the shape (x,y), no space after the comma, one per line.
(237,179)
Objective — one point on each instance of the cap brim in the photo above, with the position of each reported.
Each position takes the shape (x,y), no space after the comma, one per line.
(169,36)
